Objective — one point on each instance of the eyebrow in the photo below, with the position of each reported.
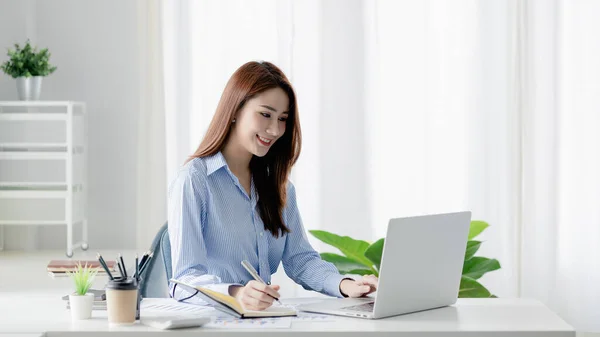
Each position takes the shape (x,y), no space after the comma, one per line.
(273,109)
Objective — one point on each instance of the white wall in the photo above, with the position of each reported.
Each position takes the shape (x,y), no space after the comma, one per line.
(94,45)
(17,22)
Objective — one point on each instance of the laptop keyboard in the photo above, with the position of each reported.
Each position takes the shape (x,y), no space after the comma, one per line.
(365,307)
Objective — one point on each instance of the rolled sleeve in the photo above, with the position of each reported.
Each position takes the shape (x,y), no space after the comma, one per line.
(300,261)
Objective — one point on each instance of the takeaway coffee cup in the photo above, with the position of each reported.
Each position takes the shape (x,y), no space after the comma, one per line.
(121,301)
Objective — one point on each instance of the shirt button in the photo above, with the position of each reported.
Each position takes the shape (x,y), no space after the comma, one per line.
(261,233)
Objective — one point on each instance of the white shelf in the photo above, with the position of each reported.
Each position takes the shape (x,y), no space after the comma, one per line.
(33,116)
(32,194)
(53,148)
(34,222)
(26,146)
(38,185)
(31,155)
(54,185)
(69,149)
(43,186)
(38,103)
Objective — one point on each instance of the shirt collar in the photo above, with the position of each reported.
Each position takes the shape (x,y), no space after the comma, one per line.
(215,162)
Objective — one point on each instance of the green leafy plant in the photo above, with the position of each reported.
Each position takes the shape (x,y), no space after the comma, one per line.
(363,258)
(27,62)
(83,278)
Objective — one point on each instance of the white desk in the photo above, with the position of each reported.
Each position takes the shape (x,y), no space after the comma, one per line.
(44,314)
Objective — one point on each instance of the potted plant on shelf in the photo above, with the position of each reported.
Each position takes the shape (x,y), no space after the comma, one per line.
(362,258)
(28,67)
(81,301)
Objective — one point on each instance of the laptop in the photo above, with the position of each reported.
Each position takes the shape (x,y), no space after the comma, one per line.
(420,269)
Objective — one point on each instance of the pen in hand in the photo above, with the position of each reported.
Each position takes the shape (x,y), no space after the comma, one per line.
(255,275)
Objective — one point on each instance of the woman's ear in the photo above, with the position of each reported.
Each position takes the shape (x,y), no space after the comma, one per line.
(235,117)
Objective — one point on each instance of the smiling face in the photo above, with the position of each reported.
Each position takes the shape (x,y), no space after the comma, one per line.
(261,122)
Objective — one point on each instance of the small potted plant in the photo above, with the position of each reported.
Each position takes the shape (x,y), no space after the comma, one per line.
(80,301)
(28,67)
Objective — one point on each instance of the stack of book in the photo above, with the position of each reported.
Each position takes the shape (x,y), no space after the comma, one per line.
(58,268)
(99,299)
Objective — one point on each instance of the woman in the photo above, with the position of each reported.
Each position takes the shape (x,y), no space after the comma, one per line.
(232,200)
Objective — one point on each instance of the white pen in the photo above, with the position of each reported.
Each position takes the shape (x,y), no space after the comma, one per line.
(255,275)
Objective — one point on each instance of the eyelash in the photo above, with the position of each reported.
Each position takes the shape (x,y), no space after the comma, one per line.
(267,115)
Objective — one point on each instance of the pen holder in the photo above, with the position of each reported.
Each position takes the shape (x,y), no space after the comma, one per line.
(122,301)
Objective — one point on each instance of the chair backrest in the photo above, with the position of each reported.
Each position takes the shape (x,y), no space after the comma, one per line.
(156,276)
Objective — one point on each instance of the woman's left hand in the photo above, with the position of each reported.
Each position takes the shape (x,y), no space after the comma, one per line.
(363,287)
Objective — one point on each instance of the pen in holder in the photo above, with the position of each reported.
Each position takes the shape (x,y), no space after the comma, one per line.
(123,294)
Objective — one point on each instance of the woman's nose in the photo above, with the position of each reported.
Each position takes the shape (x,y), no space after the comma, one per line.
(273,129)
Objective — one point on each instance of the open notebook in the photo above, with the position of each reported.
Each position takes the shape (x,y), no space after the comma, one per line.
(230,305)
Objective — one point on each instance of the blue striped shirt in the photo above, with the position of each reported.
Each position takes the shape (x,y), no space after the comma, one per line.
(214,225)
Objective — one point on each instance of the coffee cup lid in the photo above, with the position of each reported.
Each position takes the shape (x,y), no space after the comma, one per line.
(121,283)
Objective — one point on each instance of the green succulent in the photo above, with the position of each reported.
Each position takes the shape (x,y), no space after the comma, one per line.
(363,258)
(83,278)
(27,62)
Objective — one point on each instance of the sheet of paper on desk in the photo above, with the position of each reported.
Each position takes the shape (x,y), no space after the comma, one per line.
(250,323)
(169,305)
(308,316)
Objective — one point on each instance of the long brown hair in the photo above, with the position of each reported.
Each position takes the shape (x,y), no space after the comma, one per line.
(270,172)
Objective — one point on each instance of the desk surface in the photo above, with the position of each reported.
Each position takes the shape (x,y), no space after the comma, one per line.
(39,313)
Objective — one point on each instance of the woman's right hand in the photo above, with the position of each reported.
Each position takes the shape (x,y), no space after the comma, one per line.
(255,295)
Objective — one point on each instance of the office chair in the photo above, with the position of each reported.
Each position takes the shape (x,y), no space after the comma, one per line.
(156,276)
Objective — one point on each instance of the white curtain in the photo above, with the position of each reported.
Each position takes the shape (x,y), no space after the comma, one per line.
(561,171)
(442,120)
(151,151)
(416,107)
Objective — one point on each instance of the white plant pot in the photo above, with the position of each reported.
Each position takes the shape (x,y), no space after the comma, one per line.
(81,306)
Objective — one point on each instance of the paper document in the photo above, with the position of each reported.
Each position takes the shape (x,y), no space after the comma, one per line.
(169,305)
(310,317)
(250,323)
(306,316)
